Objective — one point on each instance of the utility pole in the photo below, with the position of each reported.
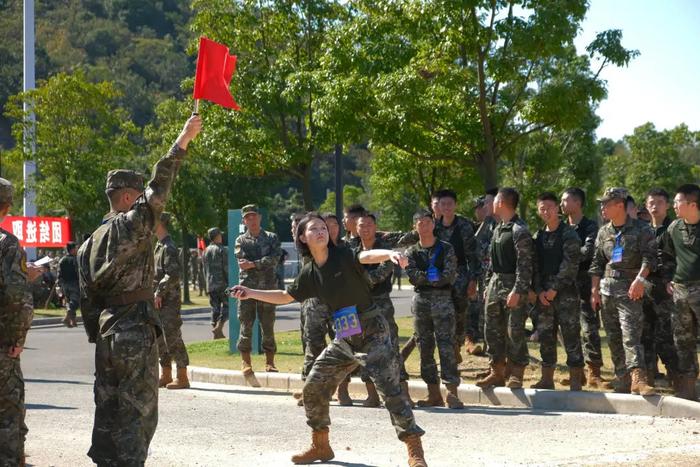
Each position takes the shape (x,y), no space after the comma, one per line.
(30,131)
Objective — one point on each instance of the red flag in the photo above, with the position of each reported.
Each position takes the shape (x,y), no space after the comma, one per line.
(201,246)
(215,67)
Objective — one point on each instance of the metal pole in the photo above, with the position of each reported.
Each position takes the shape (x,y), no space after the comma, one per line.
(30,131)
(339,181)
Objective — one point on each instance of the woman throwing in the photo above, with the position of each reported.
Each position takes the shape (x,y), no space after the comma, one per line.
(362,337)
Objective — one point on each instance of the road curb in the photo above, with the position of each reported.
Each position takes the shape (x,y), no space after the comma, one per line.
(535,399)
(59,320)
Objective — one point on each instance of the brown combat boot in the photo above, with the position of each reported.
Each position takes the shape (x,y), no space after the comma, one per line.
(67,321)
(218,330)
(516,377)
(546,380)
(372,396)
(458,354)
(320,449)
(434,398)
(344,398)
(472,347)
(247,366)
(452,398)
(166,376)
(685,388)
(622,385)
(416,457)
(270,362)
(594,378)
(181,380)
(408,348)
(576,378)
(497,376)
(639,383)
(406,394)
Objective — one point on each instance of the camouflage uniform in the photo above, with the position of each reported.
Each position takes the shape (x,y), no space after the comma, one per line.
(556,268)
(116,269)
(483,235)
(16,315)
(215,262)
(167,286)
(68,281)
(433,309)
(587,231)
(623,317)
(316,324)
(680,257)
(512,256)
(461,236)
(265,251)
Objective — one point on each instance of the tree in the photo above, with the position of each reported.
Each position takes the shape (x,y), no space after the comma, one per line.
(81,133)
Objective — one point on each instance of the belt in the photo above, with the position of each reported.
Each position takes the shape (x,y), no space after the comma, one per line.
(370,313)
(621,273)
(127,298)
(434,290)
(504,274)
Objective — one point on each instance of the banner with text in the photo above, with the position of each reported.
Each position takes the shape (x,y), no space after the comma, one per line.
(39,232)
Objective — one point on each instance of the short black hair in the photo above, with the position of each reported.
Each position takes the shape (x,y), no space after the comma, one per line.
(356,209)
(493,191)
(629,200)
(510,196)
(421,213)
(435,194)
(296,217)
(658,192)
(691,192)
(577,193)
(548,196)
(70,246)
(447,193)
(329,215)
(370,215)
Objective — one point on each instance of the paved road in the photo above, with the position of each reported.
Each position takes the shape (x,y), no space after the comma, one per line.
(229,426)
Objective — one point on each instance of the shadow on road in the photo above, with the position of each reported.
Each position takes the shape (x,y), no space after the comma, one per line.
(47,407)
(483,410)
(349,464)
(253,392)
(54,381)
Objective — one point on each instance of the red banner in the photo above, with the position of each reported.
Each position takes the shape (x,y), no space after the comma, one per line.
(41,232)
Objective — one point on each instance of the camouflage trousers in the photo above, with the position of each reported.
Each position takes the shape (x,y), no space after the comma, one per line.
(72,297)
(684,321)
(384,303)
(434,323)
(460,302)
(219,306)
(247,311)
(505,327)
(657,335)
(126,396)
(590,323)
(561,314)
(373,350)
(316,324)
(475,322)
(170,344)
(623,320)
(13,430)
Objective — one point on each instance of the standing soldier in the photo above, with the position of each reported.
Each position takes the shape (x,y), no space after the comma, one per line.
(657,337)
(554,282)
(215,263)
(572,202)
(168,301)
(258,252)
(483,211)
(509,279)
(625,254)
(459,232)
(350,216)
(432,269)
(16,315)
(68,281)
(116,285)
(681,262)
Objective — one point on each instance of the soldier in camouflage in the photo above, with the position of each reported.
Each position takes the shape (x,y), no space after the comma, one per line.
(509,280)
(258,252)
(432,269)
(554,281)
(116,269)
(680,257)
(483,210)
(68,281)
(215,265)
(16,313)
(351,214)
(167,300)
(625,254)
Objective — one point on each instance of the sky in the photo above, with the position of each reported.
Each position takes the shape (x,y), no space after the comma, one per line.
(662,85)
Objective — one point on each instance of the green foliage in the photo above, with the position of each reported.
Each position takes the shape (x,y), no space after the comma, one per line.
(351,195)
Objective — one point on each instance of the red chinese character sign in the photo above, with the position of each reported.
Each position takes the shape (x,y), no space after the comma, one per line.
(40,232)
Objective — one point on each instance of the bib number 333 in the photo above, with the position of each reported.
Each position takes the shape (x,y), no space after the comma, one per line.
(346,322)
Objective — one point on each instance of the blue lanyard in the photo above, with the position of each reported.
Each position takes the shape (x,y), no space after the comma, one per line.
(437,251)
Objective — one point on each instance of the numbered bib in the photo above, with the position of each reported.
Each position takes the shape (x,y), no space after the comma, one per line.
(346,322)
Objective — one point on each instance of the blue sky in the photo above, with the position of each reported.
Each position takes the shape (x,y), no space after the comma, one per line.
(662,85)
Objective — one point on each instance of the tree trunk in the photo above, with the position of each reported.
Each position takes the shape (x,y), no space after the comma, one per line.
(185,269)
(306,189)
(488,170)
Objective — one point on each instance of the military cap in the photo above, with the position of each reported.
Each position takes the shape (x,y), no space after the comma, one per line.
(479,201)
(249,209)
(213,232)
(614,193)
(122,178)
(6,191)
(421,214)
(165,218)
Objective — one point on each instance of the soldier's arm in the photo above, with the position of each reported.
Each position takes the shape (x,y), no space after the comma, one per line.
(17,296)
(416,276)
(588,247)
(238,250)
(270,261)
(667,256)
(400,239)
(536,279)
(171,277)
(525,254)
(568,269)
(599,261)
(648,248)
(489,270)
(381,273)
(470,251)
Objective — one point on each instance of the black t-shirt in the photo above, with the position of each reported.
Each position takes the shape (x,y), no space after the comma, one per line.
(340,282)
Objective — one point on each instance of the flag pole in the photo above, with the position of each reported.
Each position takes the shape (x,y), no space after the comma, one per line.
(196,107)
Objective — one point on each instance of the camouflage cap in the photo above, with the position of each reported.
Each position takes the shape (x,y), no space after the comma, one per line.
(165,218)
(614,193)
(6,191)
(249,209)
(213,232)
(122,178)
